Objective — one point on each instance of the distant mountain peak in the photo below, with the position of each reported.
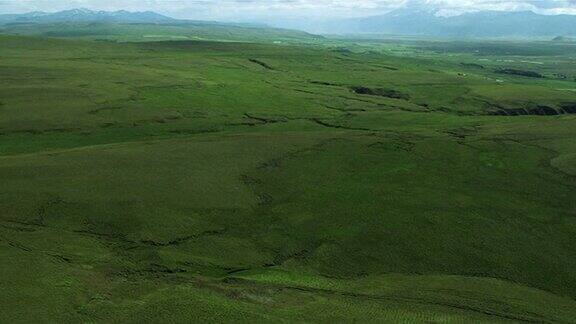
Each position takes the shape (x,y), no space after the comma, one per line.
(37,13)
(77,11)
(86,15)
(428,20)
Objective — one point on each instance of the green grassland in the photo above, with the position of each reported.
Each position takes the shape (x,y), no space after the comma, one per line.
(141,32)
(202,181)
(555,60)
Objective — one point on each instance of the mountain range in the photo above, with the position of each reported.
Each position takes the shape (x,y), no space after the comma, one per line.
(415,21)
(85,15)
(428,22)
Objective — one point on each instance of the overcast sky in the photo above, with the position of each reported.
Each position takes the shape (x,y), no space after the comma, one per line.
(245,9)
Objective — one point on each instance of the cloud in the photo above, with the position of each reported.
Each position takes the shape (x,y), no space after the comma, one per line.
(539,6)
(223,9)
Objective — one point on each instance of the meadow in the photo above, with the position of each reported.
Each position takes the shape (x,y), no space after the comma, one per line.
(286,179)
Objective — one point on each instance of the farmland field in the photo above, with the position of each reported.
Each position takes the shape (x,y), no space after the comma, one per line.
(301,180)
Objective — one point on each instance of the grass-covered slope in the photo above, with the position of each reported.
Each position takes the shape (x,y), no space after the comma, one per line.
(143,32)
(203,181)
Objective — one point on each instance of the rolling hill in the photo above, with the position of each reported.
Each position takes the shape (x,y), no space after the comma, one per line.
(140,26)
(186,181)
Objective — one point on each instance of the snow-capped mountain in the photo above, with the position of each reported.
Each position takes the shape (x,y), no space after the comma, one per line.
(473,24)
(424,20)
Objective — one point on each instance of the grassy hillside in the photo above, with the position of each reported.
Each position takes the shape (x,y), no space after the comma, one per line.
(183,181)
(164,31)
